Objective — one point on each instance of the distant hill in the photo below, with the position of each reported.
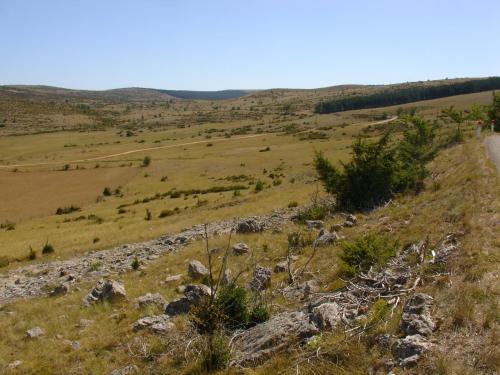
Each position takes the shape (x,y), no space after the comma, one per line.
(206,95)
(132,94)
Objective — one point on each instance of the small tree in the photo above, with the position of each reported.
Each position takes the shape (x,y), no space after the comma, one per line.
(494,111)
(458,118)
(146,161)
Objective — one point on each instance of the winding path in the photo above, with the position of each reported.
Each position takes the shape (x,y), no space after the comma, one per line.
(163,147)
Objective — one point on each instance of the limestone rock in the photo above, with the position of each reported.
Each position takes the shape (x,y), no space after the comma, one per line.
(178,306)
(196,270)
(416,317)
(327,316)
(327,238)
(261,279)
(316,224)
(82,323)
(158,324)
(195,292)
(127,370)
(14,365)
(240,248)
(34,333)
(173,278)
(409,349)
(281,267)
(264,340)
(249,226)
(151,299)
(60,290)
(106,290)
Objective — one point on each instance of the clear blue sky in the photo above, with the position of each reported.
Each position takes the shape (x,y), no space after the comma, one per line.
(221,44)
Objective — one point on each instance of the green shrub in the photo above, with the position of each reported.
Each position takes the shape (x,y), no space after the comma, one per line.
(298,240)
(47,248)
(216,354)
(292,204)
(67,210)
(106,192)
(314,212)
(146,161)
(365,252)
(232,300)
(4,261)
(380,169)
(259,186)
(32,254)
(135,263)
(259,314)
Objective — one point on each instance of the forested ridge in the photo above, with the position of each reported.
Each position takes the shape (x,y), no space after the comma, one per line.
(395,96)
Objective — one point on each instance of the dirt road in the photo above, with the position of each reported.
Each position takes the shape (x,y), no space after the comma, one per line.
(159,148)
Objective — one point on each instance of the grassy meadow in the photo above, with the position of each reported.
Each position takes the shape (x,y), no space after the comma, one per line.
(42,172)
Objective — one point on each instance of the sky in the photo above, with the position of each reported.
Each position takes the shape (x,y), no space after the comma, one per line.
(252,44)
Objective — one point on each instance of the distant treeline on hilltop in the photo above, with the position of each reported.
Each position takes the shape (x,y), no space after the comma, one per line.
(395,96)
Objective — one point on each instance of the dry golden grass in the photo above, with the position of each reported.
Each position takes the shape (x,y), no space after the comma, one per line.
(463,203)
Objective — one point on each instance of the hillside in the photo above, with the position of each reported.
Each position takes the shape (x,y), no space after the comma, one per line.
(96,189)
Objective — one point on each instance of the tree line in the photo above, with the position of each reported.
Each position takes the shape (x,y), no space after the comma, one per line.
(407,95)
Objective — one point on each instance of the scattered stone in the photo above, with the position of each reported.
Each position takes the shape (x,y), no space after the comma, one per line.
(34,333)
(240,248)
(316,224)
(409,349)
(151,299)
(281,267)
(180,289)
(196,270)
(416,317)
(173,278)
(336,227)
(105,290)
(327,316)
(60,290)
(249,226)
(83,323)
(178,306)
(127,370)
(348,224)
(327,238)
(75,345)
(38,279)
(261,342)
(302,291)
(352,218)
(158,324)
(14,365)
(195,292)
(261,279)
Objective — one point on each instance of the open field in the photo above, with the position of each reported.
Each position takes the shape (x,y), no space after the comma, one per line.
(465,202)
(39,174)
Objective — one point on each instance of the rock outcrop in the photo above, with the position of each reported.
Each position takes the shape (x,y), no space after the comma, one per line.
(154,299)
(196,270)
(159,324)
(105,290)
(261,279)
(264,340)
(240,248)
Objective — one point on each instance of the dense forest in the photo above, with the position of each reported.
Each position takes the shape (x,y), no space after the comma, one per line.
(397,96)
